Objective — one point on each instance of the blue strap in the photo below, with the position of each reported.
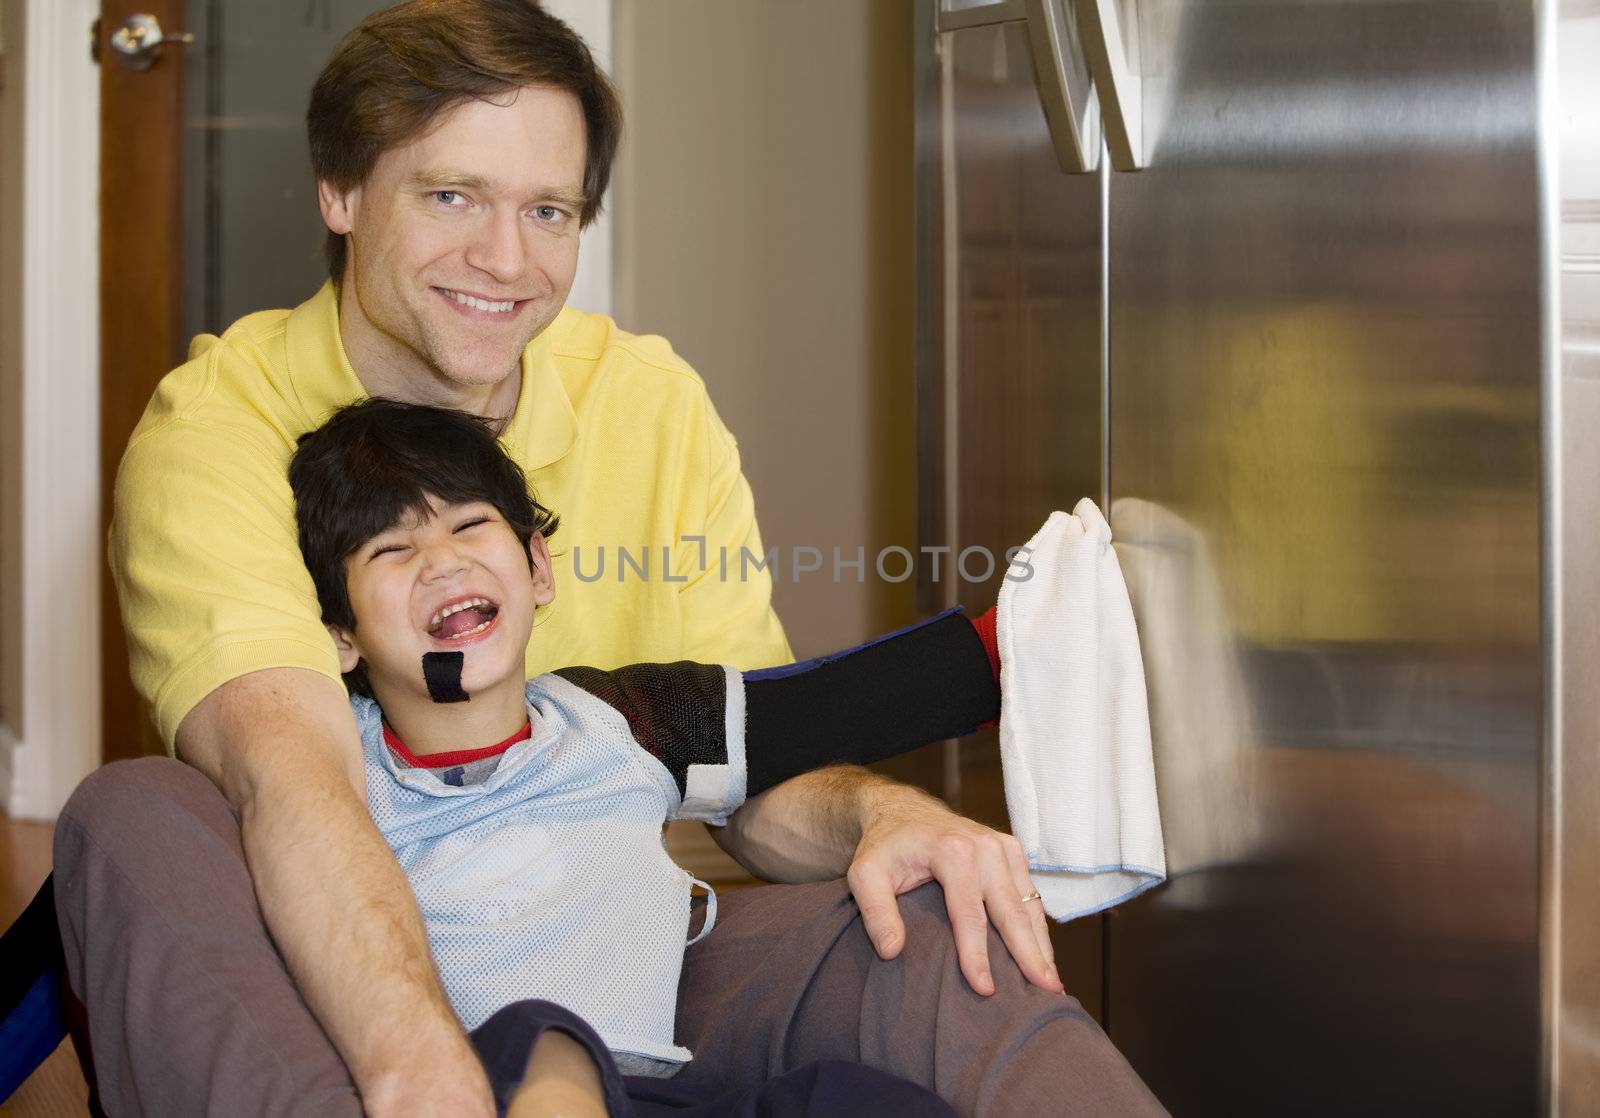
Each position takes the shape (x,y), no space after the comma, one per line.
(33,1018)
(30,1032)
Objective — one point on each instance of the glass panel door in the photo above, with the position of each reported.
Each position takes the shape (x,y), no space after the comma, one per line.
(252,234)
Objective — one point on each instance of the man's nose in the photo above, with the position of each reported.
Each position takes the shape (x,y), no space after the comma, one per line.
(498,248)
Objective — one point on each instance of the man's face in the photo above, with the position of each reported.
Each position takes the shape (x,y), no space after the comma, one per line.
(462,245)
(455,581)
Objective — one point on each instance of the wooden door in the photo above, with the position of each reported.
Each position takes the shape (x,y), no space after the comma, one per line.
(141,285)
(208,213)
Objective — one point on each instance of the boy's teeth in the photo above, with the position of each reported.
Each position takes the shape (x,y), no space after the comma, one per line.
(470,603)
(482,304)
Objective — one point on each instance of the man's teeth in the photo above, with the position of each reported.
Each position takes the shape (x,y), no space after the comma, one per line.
(470,603)
(482,304)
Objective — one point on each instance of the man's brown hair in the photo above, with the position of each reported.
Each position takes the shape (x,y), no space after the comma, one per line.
(391,77)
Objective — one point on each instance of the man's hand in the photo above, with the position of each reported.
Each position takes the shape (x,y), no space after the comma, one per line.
(909,838)
(888,838)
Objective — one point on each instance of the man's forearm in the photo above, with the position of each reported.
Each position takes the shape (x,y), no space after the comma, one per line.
(808,828)
(282,746)
(344,919)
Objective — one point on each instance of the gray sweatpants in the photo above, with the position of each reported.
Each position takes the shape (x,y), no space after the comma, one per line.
(191,1011)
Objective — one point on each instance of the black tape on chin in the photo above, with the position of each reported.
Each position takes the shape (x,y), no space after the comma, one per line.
(442,671)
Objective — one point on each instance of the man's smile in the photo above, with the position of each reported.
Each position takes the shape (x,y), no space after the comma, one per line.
(476,306)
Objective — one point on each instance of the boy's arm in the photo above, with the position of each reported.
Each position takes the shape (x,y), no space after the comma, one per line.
(922,684)
(282,746)
(919,685)
(724,736)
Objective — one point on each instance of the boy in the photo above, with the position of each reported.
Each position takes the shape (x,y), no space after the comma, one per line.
(537,860)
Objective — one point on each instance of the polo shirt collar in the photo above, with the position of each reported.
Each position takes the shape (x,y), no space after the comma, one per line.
(319,372)
(542,429)
(544,425)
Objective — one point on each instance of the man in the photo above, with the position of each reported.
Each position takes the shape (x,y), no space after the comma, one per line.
(460,146)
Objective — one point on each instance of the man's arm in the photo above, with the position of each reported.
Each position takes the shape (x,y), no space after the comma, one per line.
(888,838)
(282,746)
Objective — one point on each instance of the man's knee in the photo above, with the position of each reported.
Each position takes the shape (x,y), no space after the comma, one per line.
(927,922)
(929,935)
(925,905)
(129,800)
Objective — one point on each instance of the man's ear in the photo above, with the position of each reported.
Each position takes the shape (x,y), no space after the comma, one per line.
(544,583)
(344,642)
(338,206)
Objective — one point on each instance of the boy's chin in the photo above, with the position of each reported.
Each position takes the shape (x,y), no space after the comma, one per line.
(489,672)
(480,678)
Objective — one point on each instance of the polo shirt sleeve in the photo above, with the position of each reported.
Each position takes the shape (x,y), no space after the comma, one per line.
(726,608)
(208,569)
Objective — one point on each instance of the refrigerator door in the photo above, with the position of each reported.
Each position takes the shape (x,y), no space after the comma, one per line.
(1008,353)
(1325,474)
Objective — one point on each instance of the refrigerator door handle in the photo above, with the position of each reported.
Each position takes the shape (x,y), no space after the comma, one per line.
(1060,70)
(1106,41)
(1066,88)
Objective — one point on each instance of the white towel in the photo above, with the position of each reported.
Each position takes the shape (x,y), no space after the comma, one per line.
(1075,722)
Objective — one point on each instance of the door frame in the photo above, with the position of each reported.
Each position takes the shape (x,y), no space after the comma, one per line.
(55,737)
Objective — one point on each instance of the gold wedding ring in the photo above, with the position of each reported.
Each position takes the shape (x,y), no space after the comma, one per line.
(1033,896)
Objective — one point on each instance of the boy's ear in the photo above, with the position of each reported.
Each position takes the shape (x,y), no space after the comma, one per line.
(544,585)
(343,641)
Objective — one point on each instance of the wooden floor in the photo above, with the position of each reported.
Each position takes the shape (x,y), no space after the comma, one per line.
(56,1089)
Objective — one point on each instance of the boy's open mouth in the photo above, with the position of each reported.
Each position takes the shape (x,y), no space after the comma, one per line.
(460,620)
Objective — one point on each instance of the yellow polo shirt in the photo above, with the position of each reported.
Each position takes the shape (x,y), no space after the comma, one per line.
(615,432)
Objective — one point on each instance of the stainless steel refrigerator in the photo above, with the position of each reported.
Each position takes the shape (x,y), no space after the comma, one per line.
(1305,293)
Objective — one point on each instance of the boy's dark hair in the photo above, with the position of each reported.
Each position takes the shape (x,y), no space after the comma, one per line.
(391,77)
(373,462)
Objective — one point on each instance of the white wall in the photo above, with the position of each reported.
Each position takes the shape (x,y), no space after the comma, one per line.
(11,288)
(764,226)
(592,290)
(51,372)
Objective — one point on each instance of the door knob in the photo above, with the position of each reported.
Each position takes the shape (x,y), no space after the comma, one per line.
(139,38)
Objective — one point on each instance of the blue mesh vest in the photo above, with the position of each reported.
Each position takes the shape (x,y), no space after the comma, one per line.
(550,879)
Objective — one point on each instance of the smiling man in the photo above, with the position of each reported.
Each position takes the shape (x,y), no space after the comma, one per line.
(238,929)
(464,246)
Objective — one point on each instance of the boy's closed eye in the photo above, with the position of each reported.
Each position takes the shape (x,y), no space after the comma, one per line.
(381,546)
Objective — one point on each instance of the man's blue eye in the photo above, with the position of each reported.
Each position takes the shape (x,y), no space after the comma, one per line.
(445,196)
(549,213)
